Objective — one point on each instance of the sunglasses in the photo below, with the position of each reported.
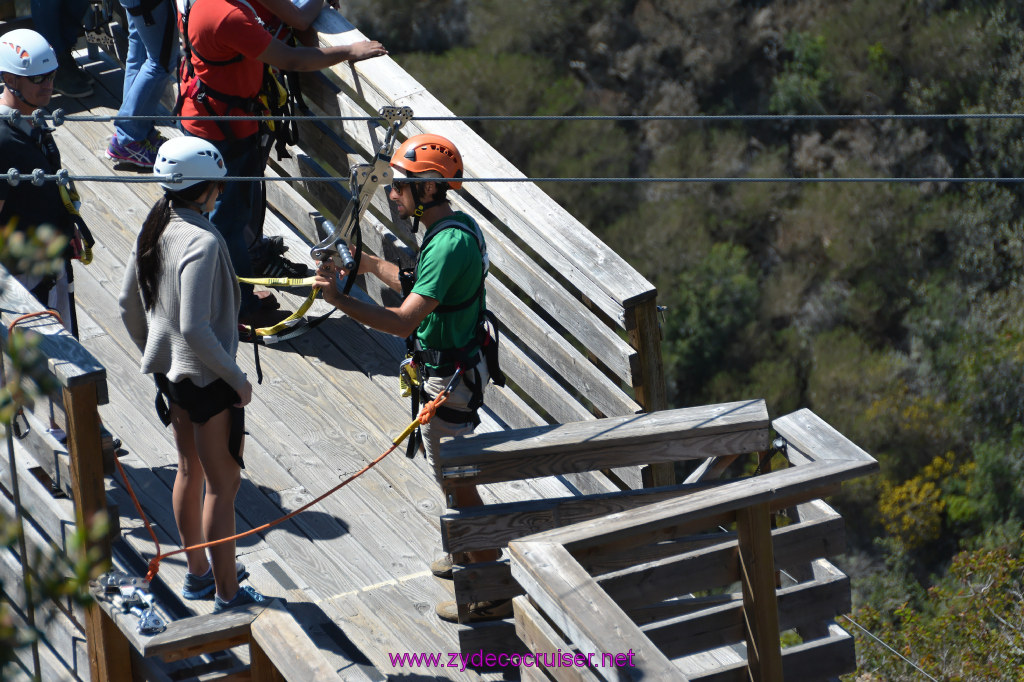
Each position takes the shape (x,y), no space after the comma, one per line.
(42,78)
(399,185)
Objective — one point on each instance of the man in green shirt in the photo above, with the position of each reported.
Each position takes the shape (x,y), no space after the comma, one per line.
(441,314)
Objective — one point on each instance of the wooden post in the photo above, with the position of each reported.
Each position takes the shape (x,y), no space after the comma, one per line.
(109,652)
(645,335)
(261,668)
(760,604)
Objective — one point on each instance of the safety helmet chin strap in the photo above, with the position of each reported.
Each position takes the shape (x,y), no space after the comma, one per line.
(420,206)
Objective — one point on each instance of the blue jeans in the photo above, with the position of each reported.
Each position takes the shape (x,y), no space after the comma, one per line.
(152,50)
(241,208)
(59,21)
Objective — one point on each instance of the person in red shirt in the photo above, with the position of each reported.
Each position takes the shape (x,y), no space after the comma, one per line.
(226,47)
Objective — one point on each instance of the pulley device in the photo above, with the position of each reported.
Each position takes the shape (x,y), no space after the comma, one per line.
(363,182)
(130,594)
(364,179)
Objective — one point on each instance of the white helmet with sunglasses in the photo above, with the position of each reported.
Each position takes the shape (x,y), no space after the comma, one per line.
(23,52)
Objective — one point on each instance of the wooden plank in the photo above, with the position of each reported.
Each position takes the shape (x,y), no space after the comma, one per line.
(644,330)
(65,658)
(182,638)
(55,516)
(525,374)
(577,606)
(760,605)
(810,439)
(819,660)
(612,432)
(717,565)
(724,624)
(287,648)
(557,352)
(539,637)
(49,454)
(70,363)
(672,518)
(606,449)
(470,529)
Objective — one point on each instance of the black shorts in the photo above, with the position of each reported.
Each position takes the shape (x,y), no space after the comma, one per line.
(202,404)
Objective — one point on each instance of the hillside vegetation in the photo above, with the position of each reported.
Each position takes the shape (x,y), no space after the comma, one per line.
(891,310)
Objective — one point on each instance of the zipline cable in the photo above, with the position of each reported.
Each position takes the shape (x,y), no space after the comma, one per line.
(876,638)
(38,177)
(59,117)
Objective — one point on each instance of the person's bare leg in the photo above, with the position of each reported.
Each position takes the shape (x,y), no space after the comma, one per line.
(223,477)
(187,494)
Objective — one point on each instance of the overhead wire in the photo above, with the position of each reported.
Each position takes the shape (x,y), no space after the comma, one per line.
(59,117)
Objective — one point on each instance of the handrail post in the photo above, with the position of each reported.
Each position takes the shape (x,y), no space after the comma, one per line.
(760,603)
(109,650)
(645,336)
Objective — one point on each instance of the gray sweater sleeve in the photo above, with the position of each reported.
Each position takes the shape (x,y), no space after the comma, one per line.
(201,296)
(133,314)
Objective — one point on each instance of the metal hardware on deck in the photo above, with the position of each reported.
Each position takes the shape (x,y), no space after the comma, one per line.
(460,472)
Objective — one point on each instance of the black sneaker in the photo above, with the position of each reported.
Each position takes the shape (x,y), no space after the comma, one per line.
(246,596)
(279,266)
(71,80)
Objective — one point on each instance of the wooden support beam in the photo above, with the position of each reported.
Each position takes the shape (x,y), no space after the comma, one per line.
(572,600)
(760,606)
(281,650)
(665,436)
(495,525)
(109,657)
(540,637)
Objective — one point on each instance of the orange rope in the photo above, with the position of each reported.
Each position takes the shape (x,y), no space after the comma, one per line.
(425,415)
(38,313)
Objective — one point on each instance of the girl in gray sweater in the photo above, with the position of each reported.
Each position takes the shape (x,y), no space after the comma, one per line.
(179,302)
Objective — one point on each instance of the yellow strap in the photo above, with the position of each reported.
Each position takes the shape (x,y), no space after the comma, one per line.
(279,281)
(65,196)
(292,319)
(86,255)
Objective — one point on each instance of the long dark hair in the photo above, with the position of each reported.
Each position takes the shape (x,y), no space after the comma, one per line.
(147,249)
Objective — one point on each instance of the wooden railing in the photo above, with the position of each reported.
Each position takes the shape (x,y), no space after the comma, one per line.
(73,465)
(656,581)
(665,437)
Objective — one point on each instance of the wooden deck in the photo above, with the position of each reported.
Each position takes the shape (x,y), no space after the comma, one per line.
(353,569)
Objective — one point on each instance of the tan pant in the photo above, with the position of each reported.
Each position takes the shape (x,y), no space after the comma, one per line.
(438,428)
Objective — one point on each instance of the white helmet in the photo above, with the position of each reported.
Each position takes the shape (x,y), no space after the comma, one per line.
(23,52)
(190,157)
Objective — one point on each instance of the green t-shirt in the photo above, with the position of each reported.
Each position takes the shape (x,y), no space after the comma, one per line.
(449,271)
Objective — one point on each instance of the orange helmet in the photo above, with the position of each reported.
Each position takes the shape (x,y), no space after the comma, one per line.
(429,153)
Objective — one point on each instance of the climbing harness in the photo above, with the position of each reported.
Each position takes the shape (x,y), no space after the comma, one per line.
(82,241)
(421,362)
(278,99)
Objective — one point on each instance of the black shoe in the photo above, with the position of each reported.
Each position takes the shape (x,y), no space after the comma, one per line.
(246,596)
(70,80)
(279,266)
